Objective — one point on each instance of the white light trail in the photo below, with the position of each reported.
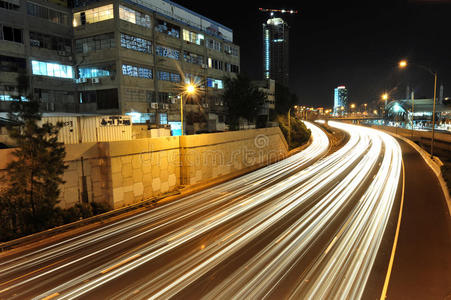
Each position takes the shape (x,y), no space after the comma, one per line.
(354,188)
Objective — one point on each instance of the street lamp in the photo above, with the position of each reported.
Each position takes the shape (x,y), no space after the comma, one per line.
(189,89)
(403,64)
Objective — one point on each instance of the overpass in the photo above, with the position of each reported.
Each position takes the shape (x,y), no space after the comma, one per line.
(356,118)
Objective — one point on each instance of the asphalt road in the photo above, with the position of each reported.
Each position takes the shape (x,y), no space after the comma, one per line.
(422,265)
(306,227)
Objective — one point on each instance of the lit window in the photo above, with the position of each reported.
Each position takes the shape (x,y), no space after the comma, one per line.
(136,43)
(92,72)
(133,16)
(193,37)
(93,15)
(215,64)
(167,76)
(51,69)
(168,28)
(135,71)
(167,52)
(214,83)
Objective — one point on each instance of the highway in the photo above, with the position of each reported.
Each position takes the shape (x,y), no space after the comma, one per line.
(307,227)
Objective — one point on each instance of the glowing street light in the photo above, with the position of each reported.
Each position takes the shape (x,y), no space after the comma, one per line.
(403,63)
(188,89)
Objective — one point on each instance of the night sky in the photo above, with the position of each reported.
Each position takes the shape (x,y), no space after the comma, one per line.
(341,43)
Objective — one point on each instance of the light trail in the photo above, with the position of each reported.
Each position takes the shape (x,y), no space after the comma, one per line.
(328,215)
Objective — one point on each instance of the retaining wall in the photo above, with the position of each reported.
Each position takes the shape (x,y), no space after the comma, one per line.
(125,172)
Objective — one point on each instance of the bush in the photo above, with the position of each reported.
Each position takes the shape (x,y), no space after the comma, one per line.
(82,211)
(300,134)
(58,217)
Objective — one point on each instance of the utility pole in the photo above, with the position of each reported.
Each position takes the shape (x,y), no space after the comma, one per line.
(289,127)
(433,116)
(412,97)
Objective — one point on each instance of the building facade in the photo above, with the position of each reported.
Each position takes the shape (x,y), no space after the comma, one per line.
(340,100)
(117,57)
(268,87)
(276,50)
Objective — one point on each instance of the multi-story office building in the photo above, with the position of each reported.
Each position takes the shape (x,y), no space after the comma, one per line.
(340,100)
(35,54)
(118,57)
(275,50)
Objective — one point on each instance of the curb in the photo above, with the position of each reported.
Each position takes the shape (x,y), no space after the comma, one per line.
(434,164)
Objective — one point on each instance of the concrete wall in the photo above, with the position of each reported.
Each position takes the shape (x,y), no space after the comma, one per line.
(208,156)
(125,172)
(144,168)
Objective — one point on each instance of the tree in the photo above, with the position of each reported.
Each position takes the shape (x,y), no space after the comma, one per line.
(242,100)
(29,202)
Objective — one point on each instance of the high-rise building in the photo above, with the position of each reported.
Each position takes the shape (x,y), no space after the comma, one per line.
(115,57)
(340,100)
(275,50)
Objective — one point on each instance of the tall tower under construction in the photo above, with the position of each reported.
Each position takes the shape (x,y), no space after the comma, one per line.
(275,50)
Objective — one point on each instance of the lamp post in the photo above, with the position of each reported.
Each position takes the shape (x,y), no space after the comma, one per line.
(385,98)
(189,89)
(413,107)
(289,124)
(433,115)
(403,64)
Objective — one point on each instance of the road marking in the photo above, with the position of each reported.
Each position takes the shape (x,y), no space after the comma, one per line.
(121,263)
(51,296)
(395,242)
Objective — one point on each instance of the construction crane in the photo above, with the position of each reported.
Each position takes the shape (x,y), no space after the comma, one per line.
(282,11)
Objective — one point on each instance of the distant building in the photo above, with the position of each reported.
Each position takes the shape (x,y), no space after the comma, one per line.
(340,100)
(401,111)
(268,87)
(275,50)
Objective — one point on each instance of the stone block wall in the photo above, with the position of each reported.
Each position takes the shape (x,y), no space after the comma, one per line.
(125,172)
(87,177)
(141,169)
(208,156)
